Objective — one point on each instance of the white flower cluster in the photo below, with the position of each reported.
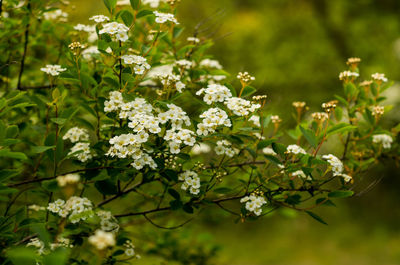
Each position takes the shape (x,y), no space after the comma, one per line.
(56,14)
(384,139)
(102,240)
(337,167)
(211,79)
(295,149)
(185,64)
(69,179)
(36,208)
(165,17)
(81,151)
(191,181)
(76,134)
(53,69)
(85,28)
(37,243)
(240,106)
(193,40)
(75,208)
(255,120)
(348,74)
(212,118)
(379,77)
(90,52)
(300,173)
(114,28)
(201,148)
(99,18)
(140,63)
(208,63)
(224,147)
(169,79)
(254,203)
(215,93)
(268,151)
(108,222)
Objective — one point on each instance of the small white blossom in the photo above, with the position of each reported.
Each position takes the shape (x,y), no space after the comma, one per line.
(53,70)
(191,182)
(68,179)
(379,77)
(295,149)
(254,203)
(99,18)
(384,139)
(165,17)
(335,163)
(102,239)
(208,63)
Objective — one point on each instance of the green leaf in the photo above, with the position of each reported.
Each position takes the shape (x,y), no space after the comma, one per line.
(340,194)
(310,136)
(340,128)
(248,91)
(279,148)
(110,4)
(222,190)
(174,194)
(58,256)
(135,4)
(12,131)
(106,187)
(144,13)
(9,154)
(127,17)
(41,149)
(316,217)
(265,143)
(59,121)
(6,174)
(22,256)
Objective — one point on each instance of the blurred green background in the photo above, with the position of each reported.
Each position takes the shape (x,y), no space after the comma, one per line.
(296,49)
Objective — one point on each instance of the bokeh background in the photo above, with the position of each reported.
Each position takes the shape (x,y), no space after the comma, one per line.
(296,49)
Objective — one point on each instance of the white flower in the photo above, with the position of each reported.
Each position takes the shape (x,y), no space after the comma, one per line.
(301,174)
(224,147)
(346,177)
(191,181)
(212,118)
(214,93)
(117,29)
(76,134)
(240,106)
(81,151)
(140,63)
(56,14)
(90,52)
(53,70)
(335,163)
(268,151)
(256,120)
(102,240)
(208,63)
(347,74)
(68,179)
(165,17)
(295,149)
(85,28)
(193,39)
(201,148)
(379,77)
(186,64)
(254,203)
(99,18)
(384,139)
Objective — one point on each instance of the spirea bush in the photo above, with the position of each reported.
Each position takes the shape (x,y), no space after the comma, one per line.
(122,118)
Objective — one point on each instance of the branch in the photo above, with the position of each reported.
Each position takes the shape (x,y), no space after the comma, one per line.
(120,194)
(164,227)
(21,71)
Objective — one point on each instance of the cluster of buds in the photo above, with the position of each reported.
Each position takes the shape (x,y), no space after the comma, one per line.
(379,78)
(378,111)
(219,175)
(276,119)
(260,99)
(245,78)
(76,47)
(353,62)
(329,106)
(198,166)
(170,162)
(319,116)
(348,76)
(300,107)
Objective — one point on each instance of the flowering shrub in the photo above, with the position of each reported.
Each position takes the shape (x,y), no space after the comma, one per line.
(124,118)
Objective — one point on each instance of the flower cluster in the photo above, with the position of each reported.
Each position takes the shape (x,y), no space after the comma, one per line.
(379,77)
(191,181)
(60,242)
(114,28)
(337,167)
(102,240)
(208,63)
(76,134)
(140,63)
(255,119)
(201,148)
(254,203)
(90,52)
(300,173)
(171,80)
(75,208)
(85,28)
(384,139)
(240,106)
(346,75)
(99,18)
(295,149)
(108,222)
(53,69)
(214,93)
(81,151)
(69,179)
(57,14)
(165,17)
(212,118)
(224,147)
